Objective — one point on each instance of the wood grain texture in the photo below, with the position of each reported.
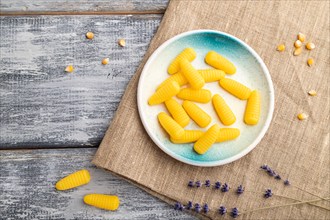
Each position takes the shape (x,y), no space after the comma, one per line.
(82,6)
(27,189)
(41,105)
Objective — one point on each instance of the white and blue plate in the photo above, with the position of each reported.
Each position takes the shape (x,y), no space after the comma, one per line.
(251,71)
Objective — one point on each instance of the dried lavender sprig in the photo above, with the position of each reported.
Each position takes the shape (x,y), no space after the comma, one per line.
(206,208)
(287,182)
(198,184)
(283,205)
(197,208)
(234,213)
(278,177)
(207,183)
(268,193)
(178,206)
(191,183)
(189,205)
(240,190)
(222,210)
(307,192)
(217,185)
(225,188)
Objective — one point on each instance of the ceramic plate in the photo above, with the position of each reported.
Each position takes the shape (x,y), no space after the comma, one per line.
(251,71)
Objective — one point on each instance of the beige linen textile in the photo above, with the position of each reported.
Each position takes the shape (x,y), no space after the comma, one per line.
(298,150)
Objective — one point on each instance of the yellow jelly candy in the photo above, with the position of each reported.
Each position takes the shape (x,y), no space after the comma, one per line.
(107,202)
(225,114)
(73,180)
(178,77)
(235,88)
(164,93)
(195,79)
(252,111)
(207,139)
(187,54)
(177,112)
(170,126)
(212,75)
(200,95)
(219,62)
(197,114)
(189,136)
(227,134)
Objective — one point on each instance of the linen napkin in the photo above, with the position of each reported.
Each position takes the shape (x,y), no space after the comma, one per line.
(297,150)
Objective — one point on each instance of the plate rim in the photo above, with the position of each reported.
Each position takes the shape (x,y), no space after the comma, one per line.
(218,162)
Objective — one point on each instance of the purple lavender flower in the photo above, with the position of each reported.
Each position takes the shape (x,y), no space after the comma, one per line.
(206,208)
(191,183)
(287,182)
(217,185)
(225,188)
(178,206)
(222,210)
(268,193)
(240,189)
(189,205)
(271,172)
(207,183)
(234,212)
(198,184)
(197,208)
(278,177)
(264,167)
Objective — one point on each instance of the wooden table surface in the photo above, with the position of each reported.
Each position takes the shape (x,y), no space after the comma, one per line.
(52,121)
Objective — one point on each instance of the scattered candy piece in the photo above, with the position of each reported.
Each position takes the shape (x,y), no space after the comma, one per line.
(301,37)
(312,93)
(122,42)
(107,202)
(297,44)
(310,46)
(69,69)
(297,51)
(280,48)
(73,180)
(105,61)
(90,35)
(310,61)
(302,116)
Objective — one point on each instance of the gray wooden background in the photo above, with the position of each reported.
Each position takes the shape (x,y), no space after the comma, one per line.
(51,122)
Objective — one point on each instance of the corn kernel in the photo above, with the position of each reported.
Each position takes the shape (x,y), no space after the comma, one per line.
(73,180)
(69,69)
(312,93)
(310,61)
(90,35)
(297,44)
(301,37)
(310,46)
(107,202)
(297,51)
(280,47)
(302,116)
(122,42)
(105,61)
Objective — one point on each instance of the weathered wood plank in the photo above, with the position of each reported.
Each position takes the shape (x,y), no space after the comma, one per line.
(27,189)
(73,6)
(40,104)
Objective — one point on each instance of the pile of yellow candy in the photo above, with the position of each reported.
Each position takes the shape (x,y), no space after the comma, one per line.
(183,73)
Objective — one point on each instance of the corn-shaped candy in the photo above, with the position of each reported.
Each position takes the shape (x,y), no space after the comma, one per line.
(252,111)
(207,139)
(235,88)
(73,180)
(107,202)
(219,62)
(170,126)
(225,114)
(189,136)
(197,114)
(200,95)
(177,112)
(164,93)
(195,79)
(178,77)
(187,54)
(227,134)
(212,75)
